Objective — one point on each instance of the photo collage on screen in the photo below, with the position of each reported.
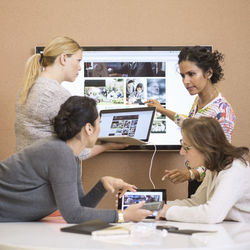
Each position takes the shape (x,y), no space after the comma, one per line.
(124,125)
(115,84)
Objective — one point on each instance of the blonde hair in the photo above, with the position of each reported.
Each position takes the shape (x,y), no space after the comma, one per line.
(35,63)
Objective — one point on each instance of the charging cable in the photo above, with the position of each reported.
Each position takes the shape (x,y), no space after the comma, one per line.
(150,168)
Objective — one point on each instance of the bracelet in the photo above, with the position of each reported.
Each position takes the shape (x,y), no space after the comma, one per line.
(202,172)
(120,216)
(192,176)
(177,119)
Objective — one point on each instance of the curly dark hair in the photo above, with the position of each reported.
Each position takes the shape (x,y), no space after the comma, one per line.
(205,60)
(75,113)
(207,136)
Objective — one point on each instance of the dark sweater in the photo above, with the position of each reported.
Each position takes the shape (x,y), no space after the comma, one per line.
(44,177)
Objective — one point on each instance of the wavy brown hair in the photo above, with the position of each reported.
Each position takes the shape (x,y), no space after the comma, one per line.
(206,135)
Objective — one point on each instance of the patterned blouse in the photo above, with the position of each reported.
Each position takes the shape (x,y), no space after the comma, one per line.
(219,108)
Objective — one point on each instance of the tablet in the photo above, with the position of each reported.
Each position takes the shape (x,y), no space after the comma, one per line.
(148,195)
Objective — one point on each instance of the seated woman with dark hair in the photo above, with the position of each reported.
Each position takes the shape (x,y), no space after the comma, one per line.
(224,193)
(47,175)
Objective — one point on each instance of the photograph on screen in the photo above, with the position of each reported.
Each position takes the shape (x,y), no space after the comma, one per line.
(160,116)
(156,89)
(124,69)
(105,92)
(159,127)
(135,90)
(124,125)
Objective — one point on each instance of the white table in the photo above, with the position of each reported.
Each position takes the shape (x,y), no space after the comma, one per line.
(47,235)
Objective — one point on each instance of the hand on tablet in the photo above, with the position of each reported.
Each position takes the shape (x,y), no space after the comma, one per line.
(112,183)
(162,213)
(135,213)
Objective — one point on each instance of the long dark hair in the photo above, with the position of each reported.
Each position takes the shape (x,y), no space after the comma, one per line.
(205,60)
(206,135)
(73,115)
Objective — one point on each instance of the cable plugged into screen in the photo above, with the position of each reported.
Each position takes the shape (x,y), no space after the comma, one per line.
(150,168)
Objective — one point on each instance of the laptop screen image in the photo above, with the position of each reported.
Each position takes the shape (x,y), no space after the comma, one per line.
(130,122)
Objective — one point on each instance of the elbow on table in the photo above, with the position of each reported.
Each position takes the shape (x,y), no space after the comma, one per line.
(71,217)
(213,218)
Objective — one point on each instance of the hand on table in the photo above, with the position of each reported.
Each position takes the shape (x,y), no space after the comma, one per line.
(162,213)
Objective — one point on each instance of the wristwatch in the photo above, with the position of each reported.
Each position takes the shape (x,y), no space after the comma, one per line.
(192,176)
(120,216)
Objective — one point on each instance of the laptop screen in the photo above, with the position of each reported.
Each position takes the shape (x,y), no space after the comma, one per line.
(133,122)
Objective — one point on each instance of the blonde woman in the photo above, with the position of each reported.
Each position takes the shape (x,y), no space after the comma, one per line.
(42,93)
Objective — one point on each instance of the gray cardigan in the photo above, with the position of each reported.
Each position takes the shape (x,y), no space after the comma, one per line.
(34,117)
(44,177)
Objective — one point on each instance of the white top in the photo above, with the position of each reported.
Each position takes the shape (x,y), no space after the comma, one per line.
(222,196)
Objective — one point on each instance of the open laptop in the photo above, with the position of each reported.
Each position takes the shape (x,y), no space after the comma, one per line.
(130,125)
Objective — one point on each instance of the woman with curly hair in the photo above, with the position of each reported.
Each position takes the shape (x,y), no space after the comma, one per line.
(200,70)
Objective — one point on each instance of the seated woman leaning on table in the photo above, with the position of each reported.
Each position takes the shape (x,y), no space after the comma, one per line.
(225,191)
(47,175)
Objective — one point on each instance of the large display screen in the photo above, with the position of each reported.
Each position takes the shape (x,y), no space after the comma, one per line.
(125,77)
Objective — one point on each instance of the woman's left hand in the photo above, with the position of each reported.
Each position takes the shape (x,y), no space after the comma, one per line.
(112,183)
(162,213)
(100,148)
(177,175)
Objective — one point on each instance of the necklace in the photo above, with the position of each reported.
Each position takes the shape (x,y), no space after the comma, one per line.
(209,99)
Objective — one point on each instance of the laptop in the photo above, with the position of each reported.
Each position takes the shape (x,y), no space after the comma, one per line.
(131,125)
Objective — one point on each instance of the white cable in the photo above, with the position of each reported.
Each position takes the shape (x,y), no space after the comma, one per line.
(150,168)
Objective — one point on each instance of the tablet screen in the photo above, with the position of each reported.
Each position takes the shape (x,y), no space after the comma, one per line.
(148,195)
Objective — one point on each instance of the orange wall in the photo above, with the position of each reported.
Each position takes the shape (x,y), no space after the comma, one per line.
(221,23)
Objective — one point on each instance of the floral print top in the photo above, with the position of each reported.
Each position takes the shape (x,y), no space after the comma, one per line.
(219,108)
